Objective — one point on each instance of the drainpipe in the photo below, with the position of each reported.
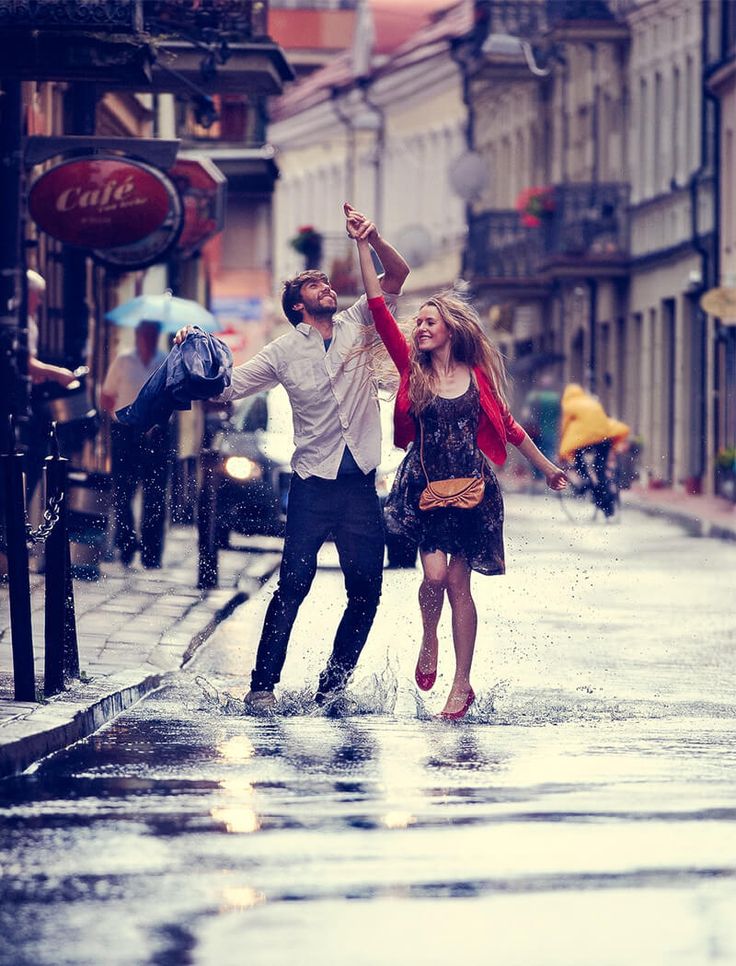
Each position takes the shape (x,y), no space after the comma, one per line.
(347,123)
(592,282)
(463,65)
(709,259)
(379,145)
(595,120)
(593,333)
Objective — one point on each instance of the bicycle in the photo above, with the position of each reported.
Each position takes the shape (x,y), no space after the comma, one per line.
(578,499)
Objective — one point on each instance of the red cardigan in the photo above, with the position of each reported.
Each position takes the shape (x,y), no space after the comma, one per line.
(496,426)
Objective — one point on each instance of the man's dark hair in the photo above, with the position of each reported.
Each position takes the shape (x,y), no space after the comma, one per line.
(293,293)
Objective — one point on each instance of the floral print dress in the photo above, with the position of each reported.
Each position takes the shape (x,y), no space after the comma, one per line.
(450,450)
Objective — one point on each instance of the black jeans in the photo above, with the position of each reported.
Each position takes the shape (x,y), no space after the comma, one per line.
(348,510)
(598,481)
(136,459)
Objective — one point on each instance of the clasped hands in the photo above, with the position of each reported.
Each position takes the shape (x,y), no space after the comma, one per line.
(358,226)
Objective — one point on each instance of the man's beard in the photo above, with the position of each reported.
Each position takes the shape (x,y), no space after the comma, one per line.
(319,311)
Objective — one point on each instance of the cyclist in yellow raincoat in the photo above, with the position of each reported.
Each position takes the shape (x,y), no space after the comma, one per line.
(587,434)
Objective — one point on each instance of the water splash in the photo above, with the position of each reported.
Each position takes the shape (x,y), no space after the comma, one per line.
(377,694)
(374,695)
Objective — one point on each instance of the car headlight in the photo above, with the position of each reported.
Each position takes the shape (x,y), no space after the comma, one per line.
(241,468)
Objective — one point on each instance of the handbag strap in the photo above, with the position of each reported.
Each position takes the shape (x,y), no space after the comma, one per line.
(421,456)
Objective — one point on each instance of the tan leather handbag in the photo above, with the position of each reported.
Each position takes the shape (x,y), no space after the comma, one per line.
(463,493)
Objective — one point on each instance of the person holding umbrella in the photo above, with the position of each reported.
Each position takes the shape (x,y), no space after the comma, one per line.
(136,460)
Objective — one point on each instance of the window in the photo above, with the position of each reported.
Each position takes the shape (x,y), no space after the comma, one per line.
(642,138)
(658,159)
(676,108)
(691,135)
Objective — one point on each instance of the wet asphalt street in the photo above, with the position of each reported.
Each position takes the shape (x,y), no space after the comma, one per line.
(583,813)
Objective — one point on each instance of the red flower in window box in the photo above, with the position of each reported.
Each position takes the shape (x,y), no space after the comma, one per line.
(534,204)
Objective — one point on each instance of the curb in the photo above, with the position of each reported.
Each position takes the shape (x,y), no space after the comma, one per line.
(695,526)
(71,717)
(58,725)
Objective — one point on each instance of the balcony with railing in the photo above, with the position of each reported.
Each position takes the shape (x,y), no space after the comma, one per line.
(532,19)
(206,20)
(545,25)
(585,230)
(500,247)
(208,45)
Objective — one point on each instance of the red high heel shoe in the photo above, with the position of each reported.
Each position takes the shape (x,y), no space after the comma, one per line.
(456,715)
(425,682)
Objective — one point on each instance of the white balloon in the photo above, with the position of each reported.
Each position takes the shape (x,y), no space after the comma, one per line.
(468,175)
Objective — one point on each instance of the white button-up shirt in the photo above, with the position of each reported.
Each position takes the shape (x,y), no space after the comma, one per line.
(333,394)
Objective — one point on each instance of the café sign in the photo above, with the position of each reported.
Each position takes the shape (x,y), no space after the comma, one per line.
(101,203)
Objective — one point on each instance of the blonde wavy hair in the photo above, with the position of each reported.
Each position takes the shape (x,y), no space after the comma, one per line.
(470,346)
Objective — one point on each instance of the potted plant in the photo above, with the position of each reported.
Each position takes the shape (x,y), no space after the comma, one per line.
(535,204)
(726,472)
(308,242)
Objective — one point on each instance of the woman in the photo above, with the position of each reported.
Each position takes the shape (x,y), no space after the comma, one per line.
(450,396)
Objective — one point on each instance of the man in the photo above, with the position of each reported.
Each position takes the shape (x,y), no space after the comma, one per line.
(338,446)
(37,370)
(36,431)
(136,459)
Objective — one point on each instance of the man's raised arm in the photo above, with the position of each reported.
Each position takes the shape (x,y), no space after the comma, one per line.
(395,269)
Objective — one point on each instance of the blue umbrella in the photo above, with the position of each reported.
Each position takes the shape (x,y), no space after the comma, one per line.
(171,311)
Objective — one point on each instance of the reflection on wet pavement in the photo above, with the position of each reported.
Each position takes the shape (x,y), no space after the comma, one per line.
(193,828)
(583,814)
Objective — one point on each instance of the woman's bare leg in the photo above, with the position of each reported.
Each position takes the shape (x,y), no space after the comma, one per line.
(464,630)
(431,599)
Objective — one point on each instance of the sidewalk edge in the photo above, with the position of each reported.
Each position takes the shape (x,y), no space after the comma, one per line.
(696,526)
(18,754)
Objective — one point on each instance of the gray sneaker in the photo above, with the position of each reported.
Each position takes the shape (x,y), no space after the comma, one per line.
(258,702)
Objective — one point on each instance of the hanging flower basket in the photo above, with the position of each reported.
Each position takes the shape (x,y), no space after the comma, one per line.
(308,242)
(535,204)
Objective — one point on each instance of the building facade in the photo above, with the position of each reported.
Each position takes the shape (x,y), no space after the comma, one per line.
(721,81)
(386,142)
(609,115)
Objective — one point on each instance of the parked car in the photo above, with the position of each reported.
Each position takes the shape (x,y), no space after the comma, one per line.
(255,444)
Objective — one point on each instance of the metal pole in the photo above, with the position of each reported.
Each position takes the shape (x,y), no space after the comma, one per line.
(18,579)
(79,116)
(593,347)
(61,657)
(207,522)
(13,369)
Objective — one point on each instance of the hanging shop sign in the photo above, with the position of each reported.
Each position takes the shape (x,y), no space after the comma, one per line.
(101,203)
(202,188)
(152,249)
